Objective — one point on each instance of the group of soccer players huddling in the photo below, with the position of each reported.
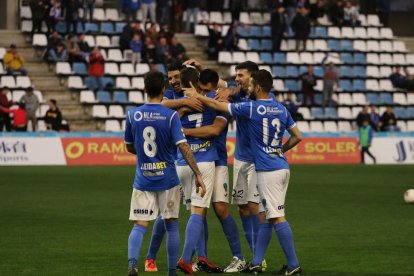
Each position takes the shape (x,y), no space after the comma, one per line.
(179,137)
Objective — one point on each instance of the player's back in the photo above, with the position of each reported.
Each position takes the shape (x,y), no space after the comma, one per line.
(268,123)
(151,128)
(204,149)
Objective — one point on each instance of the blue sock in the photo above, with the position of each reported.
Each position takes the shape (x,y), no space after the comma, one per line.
(285,235)
(263,239)
(192,235)
(248,231)
(202,243)
(173,244)
(232,234)
(158,231)
(134,244)
(255,225)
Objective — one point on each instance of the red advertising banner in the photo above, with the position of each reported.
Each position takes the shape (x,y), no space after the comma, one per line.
(324,150)
(96,151)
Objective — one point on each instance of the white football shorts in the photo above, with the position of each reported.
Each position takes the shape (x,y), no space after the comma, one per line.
(221,185)
(272,189)
(147,205)
(187,180)
(244,183)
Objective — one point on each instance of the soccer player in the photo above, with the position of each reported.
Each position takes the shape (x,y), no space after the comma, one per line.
(152,133)
(205,153)
(208,82)
(267,122)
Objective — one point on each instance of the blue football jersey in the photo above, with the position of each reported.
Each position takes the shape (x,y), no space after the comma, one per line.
(170,94)
(267,120)
(220,142)
(155,132)
(204,149)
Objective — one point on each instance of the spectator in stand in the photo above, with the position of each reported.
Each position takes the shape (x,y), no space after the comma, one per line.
(96,67)
(88,8)
(73,50)
(215,42)
(330,79)
(148,52)
(58,54)
(192,12)
(178,52)
(136,46)
(235,8)
(138,29)
(302,4)
(55,14)
(336,14)
(72,15)
(231,40)
(162,51)
(308,83)
(362,116)
(388,120)
(126,8)
(165,32)
(152,32)
(13,61)
(37,9)
(301,26)
(31,103)
(84,46)
(53,117)
(398,80)
(375,119)
(383,10)
(163,11)
(278,23)
(351,15)
(19,117)
(53,41)
(126,35)
(410,80)
(5,121)
(292,107)
(290,6)
(148,6)
(178,10)
(317,10)
(365,140)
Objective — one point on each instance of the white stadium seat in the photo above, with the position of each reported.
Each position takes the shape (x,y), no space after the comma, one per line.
(87,96)
(386,46)
(386,85)
(316,126)
(23,81)
(116,111)
(303,126)
(355,111)
(373,20)
(334,32)
(399,46)
(39,40)
(373,59)
(17,95)
(344,126)
(201,30)
(305,112)
(63,68)
(225,57)
(253,56)
(360,45)
(103,41)
(75,82)
(359,98)
(373,33)
(360,32)
(398,59)
(111,68)
(348,32)
(123,83)
(399,98)
(136,97)
(8,81)
(142,68)
(320,45)
(115,55)
(372,71)
(386,33)
(91,40)
(373,46)
(345,98)
(99,111)
(127,69)
(293,58)
(345,113)
(112,15)
(238,57)
(330,126)
(99,14)
(410,125)
(138,83)
(385,59)
(112,125)
(385,71)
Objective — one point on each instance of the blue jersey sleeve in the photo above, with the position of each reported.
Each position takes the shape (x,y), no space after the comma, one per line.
(290,123)
(176,129)
(129,138)
(241,109)
(169,94)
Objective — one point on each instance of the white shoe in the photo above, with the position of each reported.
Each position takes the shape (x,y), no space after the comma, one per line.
(236,265)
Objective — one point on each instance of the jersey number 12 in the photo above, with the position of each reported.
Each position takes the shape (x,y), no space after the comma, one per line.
(276,125)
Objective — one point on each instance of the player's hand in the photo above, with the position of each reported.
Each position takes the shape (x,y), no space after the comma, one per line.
(200,187)
(223,94)
(195,63)
(194,104)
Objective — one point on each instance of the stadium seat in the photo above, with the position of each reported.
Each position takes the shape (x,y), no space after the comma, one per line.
(39,40)
(225,57)
(265,67)
(347,32)
(112,15)
(385,46)
(346,72)
(410,112)
(385,71)
(386,85)
(373,98)
(388,59)
(90,39)
(360,45)
(293,58)
(244,46)
(344,113)
(360,32)
(334,32)
(161,68)
(138,83)
(331,113)
(266,31)
(330,126)
(398,59)
(266,45)
(355,111)
(320,32)
(266,58)
(373,46)
(112,125)
(116,111)
(253,56)
(99,14)
(103,41)
(8,81)
(359,71)
(136,97)
(374,59)
(25,12)
(107,28)
(306,58)
(279,58)
(63,68)
(334,45)
(320,45)
(344,126)
(256,18)
(373,33)
(303,126)
(316,126)
(344,99)
(409,59)
(410,126)
(244,18)
(372,71)
(123,83)
(99,111)
(103,96)
(279,85)
(399,98)
(201,30)
(120,97)
(359,98)
(400,112)
(119,26)
(372,85)
(292,71)
(386,99)
(345,85)
(373,20)
(347,58)
(359,58)
(279,71)
(346,45)
(317,112)
(115,55)
(216,17)
(292,85)
(107,82)
(17,95)
(238,57)
(386,33)
(111,69)
(79,68)
(87,96)
(127,69)
(23,81)
(142,69)
(91,28)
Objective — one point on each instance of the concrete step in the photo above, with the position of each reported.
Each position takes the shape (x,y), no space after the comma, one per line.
(409,43)
(46,82)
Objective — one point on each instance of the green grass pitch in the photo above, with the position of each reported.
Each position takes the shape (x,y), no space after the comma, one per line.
(347,220)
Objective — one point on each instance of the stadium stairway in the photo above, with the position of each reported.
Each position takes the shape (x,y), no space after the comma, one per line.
(44,79)
(409,43)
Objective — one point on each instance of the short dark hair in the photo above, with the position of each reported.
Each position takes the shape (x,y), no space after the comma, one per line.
(264,79)
(21,105)
(154,84)
(248,65)
(209,76)
(53,101)
(187,75)
(177,66)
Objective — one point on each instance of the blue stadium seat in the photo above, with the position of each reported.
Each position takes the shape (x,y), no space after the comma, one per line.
(80,28)
(292,85)
(292,71)
(79,68)
(90,83)
(334,45)
(266,58)
(91,28)
(254,44)
(278,71)
(359,85)
(360,71)
(401,113)
(61,27)
(243,32)
(107,28)
(318,98)
(347,58)
(386,98)
(303,69)
(347,45)
(103,97)
(318,71)
(107,82)
(119,26)
(120,97)
(266,31)
(266,44)
(347,72)
(331,113)
(410,112)
(317,112)
(321,32)
(255,31)
(279,58)
(161,68)
(360,58)
(372,98)
(346,85)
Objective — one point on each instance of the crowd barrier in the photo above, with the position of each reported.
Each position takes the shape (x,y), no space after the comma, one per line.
(99,148)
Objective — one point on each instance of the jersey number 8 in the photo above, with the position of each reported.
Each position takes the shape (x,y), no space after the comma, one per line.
(150,147)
